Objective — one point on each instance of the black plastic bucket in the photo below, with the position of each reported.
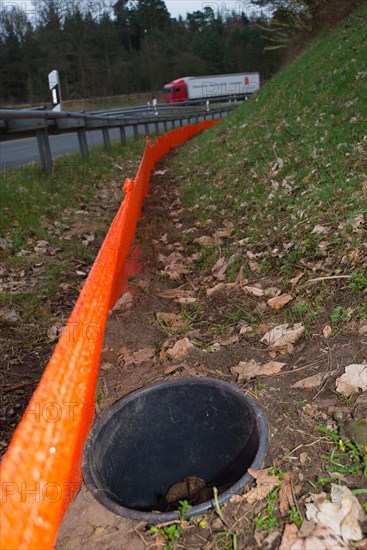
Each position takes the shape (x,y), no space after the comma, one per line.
(161,434)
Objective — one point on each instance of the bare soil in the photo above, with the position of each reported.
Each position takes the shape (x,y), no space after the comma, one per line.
(295,446)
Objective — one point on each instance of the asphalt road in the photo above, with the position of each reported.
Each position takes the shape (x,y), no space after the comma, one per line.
(20,152)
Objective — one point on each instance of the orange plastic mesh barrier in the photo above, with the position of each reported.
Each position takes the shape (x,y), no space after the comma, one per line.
(41,469)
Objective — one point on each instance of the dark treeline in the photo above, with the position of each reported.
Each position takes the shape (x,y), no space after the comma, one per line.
(131,46)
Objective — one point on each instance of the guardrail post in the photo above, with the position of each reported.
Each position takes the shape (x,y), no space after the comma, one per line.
(136,131)
(122,135)
(146,127)
(83,144)
(44,150)
(181,122)
(156,126)
(106,139)
(165,125)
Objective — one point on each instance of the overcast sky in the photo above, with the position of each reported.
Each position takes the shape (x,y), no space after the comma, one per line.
(175,7)
(181,7)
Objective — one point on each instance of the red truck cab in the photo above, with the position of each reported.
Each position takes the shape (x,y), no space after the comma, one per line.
(175,91)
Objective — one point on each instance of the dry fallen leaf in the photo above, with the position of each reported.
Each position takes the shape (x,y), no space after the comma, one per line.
(240,279)
(205,240)
(236,499)
(357,221)
(55,331)
(265,483)
(353,380)
(251,369)
(219,269)
(187,300)
(279,301)
(326,331)
(310,536)
(285,494)
(175,293)
(166,317)
(9,315)
(171,259)
(297,278)
(124,303)
(227,232)
(173,368)
(342,515)
(244,328)
(320,230)
(137,358)
(106,366)
(180,349)
(281,338)
(272,291)
(228,341)
(254,266)
(312,381)
(256,291)
(176,271)
(219,287)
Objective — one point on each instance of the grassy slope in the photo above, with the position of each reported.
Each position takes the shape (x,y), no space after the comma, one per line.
(291,159)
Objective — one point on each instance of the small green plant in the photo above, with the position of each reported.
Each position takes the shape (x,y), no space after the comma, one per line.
(300,309)
(191,312)
(183,508)
(338,315)
(232,319)
(344,457)
(225,540)
(362,312)
(273,471)
(345,400)
(259,388)
(294,516)
(320,480)
(268,521)
(359,281)
(171,533)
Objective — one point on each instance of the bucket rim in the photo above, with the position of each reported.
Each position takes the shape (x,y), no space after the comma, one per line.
(153,517)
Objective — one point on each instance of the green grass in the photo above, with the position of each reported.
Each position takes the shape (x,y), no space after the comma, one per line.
(345,457)
(172,533)
(310,115)
(287,169)
(37,207)
(30,197)
(267,521)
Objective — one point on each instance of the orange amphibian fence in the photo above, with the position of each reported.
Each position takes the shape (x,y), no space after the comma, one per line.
(41,469)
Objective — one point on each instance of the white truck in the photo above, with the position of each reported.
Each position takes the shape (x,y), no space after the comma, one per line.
(212,86)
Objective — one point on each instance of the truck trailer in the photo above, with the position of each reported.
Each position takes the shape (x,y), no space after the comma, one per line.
(211,87)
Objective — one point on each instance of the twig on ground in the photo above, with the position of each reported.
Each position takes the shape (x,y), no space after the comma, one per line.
(306,445)
(20,386)
(329,278)
(330,358)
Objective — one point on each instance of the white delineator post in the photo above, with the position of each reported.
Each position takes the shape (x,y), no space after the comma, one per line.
(55,89)
(154,103)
